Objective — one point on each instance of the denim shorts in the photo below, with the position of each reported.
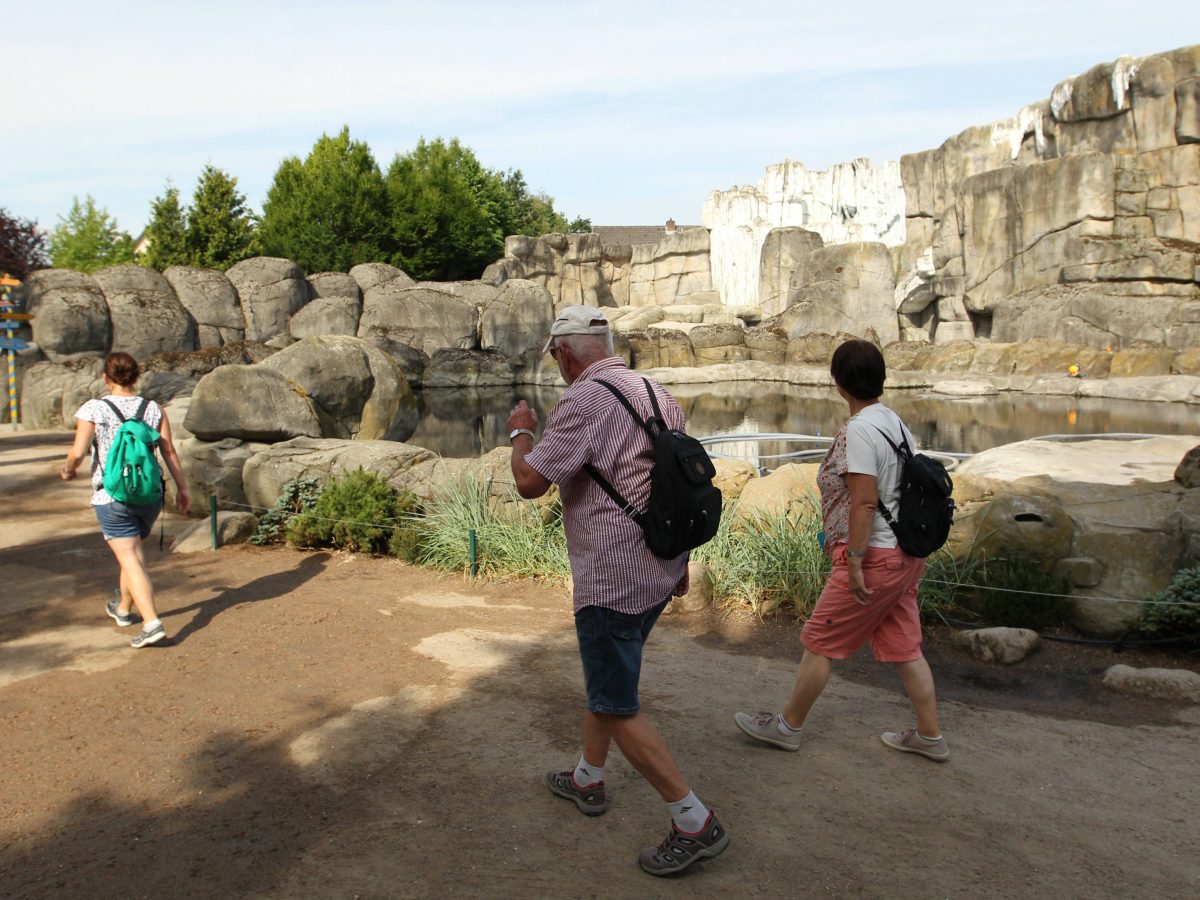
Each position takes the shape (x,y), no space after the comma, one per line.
(610,645)
(118,520)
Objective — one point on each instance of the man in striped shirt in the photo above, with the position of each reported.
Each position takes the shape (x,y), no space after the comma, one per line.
(620,586)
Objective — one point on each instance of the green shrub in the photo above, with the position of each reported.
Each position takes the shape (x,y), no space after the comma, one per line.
(1019,593)
(1175,610)
(297,496)
(947,582)
(768,561)
(358,511)
(511,539)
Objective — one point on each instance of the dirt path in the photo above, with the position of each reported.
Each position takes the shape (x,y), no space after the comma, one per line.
(332,725)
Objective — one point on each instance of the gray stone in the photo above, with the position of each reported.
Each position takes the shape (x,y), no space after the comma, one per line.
(782,250)
(467,368)
(51,393)
(70,317)
(517,320)
(424,318)
(1165,684)
(844,288)
(146,317)
(251,403)
(334,284)
(372,275)
(1187,473)
(1000,645)
(700,591)
(332,315)
(267,471)
(358,390)
(271,291)
(214,469)
(1080,571)
(212,302)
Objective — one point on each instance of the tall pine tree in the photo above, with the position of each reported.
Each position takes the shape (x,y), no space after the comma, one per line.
(329,212)
(220,227)
(166,235)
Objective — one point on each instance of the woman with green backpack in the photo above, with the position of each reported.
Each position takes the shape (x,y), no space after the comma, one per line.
(122,430)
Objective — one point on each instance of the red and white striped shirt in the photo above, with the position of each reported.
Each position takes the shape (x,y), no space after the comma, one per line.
(610,562)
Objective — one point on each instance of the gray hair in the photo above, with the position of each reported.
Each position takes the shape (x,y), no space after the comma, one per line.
(587,346)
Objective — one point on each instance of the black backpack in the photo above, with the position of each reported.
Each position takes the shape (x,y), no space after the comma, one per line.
(684,508)
(926,506)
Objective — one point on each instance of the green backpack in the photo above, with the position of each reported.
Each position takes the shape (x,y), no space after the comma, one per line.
(131,472)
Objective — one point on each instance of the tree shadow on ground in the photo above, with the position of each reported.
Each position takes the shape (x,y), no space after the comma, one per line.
(264,588)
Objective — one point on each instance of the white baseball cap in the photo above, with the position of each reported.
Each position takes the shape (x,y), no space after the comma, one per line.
(577,320)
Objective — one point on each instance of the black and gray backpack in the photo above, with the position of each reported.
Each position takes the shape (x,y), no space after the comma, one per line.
(684,508)
(926,508)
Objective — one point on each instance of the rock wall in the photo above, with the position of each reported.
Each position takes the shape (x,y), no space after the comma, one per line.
(1078,218)
(847,203)
(580,269)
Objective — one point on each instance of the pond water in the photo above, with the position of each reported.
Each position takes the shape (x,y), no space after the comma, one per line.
(465,422)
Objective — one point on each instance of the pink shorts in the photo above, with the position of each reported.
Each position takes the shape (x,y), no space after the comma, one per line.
(839,624)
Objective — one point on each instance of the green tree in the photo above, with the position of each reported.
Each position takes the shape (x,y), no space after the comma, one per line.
(328,213)
(579,225)
(166,235)
(447,212)
(22,246)
(220,227)
(87,239)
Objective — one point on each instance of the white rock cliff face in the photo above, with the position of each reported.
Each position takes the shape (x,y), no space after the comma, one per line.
(847,203)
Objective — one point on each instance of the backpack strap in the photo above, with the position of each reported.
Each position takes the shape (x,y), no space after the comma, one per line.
(141,410)
(624,505)
(905,453)
(117,411)
(96,441)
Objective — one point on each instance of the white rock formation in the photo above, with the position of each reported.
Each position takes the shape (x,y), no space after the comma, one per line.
(849,202)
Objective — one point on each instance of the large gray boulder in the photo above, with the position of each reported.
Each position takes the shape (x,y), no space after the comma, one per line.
(428,319)
(70,317)
(267,471)
(51,393)
(271,290)
(211,300)
(517,319)
(372,275)
(782,251)
(146,316)
(201,362)
(359,391)
(847,287)
(251,403)
(326,315)
(214,469)
(333,284)
(467,368)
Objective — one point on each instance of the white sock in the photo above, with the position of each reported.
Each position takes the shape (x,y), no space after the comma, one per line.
(928,740)
(150,626)
(689,814)
(587,774)
(784,727)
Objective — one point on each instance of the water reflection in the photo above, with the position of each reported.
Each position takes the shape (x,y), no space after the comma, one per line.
(465,422)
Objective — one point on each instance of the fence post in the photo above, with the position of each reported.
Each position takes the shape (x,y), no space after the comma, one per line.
(212,518)
(474,557)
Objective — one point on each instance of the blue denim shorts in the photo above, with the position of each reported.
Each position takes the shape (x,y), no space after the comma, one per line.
(118,520)
(610,645)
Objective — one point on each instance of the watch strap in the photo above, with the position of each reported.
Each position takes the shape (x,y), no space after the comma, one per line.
(512,434)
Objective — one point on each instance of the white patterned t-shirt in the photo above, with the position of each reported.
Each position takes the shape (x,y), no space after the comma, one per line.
(106,421)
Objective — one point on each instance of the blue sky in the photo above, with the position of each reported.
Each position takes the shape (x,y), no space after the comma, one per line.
(628,113)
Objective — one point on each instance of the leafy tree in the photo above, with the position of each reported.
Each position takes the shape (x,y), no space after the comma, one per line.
(167,232)
(87,239)
(579,225)
(328,213)
(22,246)
(220,227)
(446,212)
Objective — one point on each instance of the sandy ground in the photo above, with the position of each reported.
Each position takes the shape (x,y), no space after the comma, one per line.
(327,725)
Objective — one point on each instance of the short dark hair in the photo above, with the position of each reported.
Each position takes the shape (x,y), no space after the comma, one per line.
(121,368)
(858,368)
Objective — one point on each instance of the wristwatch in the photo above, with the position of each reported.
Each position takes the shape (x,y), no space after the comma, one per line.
(512,434)
(859,553)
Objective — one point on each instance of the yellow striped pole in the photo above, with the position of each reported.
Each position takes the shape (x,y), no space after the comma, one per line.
(6,285)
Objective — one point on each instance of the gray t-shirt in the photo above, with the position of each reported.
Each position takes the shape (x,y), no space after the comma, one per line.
(868,453)
(106,421)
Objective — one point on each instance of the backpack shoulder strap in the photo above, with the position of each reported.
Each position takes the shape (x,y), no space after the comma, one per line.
(905,454)
(114,408)
(141,410)
(629,406)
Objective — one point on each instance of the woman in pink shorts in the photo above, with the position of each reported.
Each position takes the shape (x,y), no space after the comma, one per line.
(871,594)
